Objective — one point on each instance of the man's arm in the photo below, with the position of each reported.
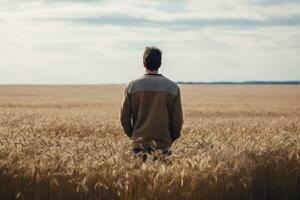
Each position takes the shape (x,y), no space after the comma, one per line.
(176,117)
(126,114)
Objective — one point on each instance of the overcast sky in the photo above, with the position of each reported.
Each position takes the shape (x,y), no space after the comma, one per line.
(102,41)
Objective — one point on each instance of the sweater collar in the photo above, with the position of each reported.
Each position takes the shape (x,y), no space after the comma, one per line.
(153,74)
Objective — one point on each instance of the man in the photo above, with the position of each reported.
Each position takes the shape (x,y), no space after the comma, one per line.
(151,112)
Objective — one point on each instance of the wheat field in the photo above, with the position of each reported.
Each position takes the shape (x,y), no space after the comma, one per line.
(66,142)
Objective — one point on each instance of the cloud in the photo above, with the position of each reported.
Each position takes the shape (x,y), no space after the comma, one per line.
(273,2)
(182,23)
(63,1)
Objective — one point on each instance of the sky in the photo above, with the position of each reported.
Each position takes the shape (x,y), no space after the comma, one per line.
(102,41)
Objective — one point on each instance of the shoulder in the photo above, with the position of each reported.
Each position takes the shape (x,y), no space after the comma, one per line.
(153,83)
(172,85)
(136,81)
(133,83)
(170,82)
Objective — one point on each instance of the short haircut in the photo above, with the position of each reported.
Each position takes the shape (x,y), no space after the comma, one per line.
(152,58)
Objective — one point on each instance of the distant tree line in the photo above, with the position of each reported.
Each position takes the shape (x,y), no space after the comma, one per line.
(243,82)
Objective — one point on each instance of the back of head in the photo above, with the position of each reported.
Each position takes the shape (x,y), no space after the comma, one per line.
(152,58)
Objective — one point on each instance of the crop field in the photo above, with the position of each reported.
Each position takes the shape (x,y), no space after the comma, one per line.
(66,142)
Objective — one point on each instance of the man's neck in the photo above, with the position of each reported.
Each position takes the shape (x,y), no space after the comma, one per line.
(151,71)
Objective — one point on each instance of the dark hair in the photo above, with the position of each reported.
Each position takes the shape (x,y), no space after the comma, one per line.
(152,58)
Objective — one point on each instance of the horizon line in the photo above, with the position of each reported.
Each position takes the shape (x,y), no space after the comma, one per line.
(251,82)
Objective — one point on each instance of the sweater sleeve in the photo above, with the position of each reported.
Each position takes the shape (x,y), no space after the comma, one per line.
(176,117)
(126,114)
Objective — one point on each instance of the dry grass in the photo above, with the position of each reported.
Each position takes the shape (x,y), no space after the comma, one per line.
(65,142)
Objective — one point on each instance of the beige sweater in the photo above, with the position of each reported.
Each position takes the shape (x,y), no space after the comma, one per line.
(151,112)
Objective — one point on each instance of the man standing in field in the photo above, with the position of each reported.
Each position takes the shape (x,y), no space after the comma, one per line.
(151,112)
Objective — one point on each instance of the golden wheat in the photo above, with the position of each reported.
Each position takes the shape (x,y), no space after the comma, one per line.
(66,142)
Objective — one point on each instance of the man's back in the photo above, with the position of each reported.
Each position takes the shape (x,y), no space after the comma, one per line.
(151,113)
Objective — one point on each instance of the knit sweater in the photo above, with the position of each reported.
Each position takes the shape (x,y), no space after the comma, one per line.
(151,111)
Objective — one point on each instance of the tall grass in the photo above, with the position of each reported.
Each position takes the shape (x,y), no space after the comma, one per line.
(236,144)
